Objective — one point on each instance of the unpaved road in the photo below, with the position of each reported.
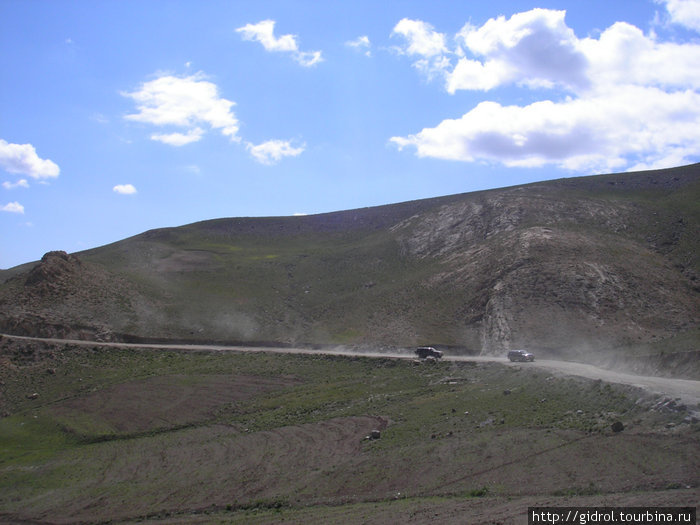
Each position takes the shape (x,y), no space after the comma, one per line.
(685,389)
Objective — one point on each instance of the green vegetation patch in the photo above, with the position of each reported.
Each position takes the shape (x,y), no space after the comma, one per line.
(298,436)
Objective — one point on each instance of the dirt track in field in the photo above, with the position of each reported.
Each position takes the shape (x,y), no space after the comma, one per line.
(685,389)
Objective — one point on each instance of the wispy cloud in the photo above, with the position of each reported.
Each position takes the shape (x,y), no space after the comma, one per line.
(124,189)
(264,33)
(361,43)
(272,151)
(185,102)
(192,169)
(22,159)
(620,101)
(22,183)
(179,139)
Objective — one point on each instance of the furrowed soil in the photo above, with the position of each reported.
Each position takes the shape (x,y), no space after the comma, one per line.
(126,435)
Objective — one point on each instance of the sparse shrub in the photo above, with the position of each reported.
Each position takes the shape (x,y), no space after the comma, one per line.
(479,493)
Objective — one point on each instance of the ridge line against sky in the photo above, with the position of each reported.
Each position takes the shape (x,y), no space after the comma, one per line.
(265,111)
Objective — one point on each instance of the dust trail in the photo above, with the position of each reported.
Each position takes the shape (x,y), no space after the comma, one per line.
(687,390)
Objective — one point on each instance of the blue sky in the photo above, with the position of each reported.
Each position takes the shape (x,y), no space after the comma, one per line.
(121,116)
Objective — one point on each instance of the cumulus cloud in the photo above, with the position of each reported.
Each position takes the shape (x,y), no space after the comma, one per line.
(22,159)
(603,132)
(13,207)
(535,48)
(194,103)
(684,12)
(272,151)
(624,55)
(124,189)
(620,101)
(421,38)
(264,33)
(361,43)
(425,45)
(185,102)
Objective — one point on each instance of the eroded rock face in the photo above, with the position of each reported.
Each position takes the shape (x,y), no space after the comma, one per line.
(535,269)
(64,297)
(55,267)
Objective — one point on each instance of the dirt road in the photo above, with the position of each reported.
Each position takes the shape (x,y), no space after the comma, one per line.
(685,389)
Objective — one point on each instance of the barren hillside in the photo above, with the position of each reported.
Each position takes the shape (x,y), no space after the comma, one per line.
(601,268)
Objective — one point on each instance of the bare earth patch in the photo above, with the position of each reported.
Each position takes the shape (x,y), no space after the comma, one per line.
(161,402)
(199,468)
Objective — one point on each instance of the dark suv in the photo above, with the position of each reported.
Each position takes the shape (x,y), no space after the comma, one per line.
(428,351)
(520,355)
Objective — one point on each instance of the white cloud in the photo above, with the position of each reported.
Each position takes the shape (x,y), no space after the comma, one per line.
(308,58)
(22,159)
(264,32)
(423,42)
(179,139)
(421,38)
(684,12)
(535,48)
(13,207)
(624,55)
(124,189)
(100,118)
(185,102)
(631,101)
(22,183)
(273,151)
(361,43)
(595,134)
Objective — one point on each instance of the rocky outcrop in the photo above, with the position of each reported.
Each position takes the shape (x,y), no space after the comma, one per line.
(64,297)
(55,270)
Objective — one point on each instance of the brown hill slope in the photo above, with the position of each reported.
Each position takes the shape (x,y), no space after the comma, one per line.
(591,268)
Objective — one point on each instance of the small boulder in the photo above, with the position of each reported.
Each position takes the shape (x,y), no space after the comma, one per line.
(375,434)
(617,426)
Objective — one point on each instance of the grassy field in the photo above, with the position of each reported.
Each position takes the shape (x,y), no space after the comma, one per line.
(147,435)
